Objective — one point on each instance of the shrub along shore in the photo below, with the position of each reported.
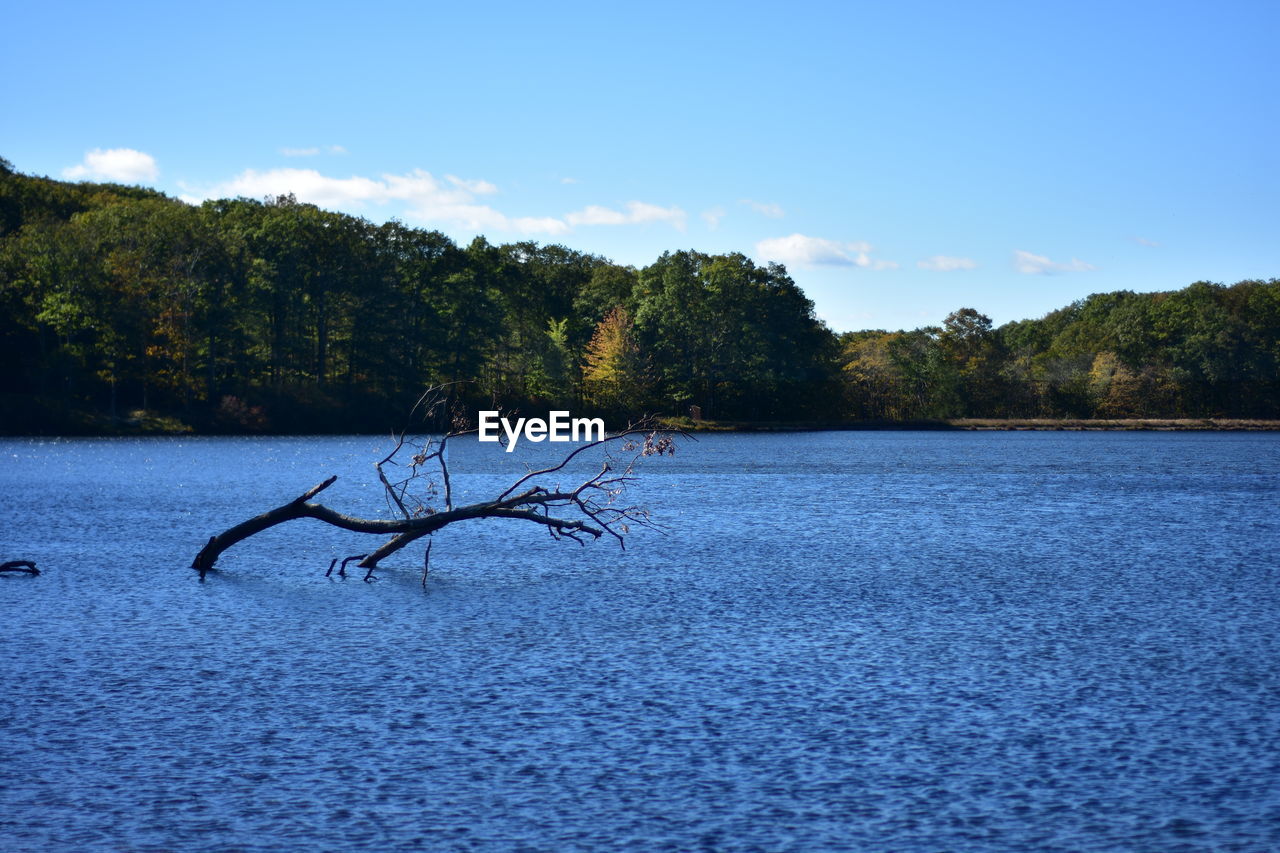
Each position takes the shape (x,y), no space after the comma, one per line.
(989,424)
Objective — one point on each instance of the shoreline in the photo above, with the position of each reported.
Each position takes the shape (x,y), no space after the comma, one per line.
(992,425)
(168,427)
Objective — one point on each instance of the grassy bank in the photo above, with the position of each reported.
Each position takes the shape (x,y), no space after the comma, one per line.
(1079,424)
(1234,424)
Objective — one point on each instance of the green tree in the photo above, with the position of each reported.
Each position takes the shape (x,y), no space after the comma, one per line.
(973,351)
(736,339)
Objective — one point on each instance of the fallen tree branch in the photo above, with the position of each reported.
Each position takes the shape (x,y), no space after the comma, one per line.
(593,501)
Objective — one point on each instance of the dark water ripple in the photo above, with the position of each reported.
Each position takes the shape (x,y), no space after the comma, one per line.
(851,642)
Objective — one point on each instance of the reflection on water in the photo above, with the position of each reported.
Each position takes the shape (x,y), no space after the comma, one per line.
(886,641)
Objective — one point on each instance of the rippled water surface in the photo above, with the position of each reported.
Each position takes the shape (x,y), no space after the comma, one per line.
(848,641)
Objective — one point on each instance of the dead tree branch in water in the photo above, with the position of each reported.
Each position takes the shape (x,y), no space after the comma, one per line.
(418,489)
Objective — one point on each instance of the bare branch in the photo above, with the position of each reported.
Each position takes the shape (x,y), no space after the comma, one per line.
(633,429)
(585,510)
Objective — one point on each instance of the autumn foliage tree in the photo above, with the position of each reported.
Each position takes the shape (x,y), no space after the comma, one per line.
(615,371)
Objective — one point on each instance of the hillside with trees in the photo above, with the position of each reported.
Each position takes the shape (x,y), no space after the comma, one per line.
(1203,351)
(120,306)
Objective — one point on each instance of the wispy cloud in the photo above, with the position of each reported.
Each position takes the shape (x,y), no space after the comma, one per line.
(712,217)
(472,186)
(1031,264)
(801,250)
(426,199)
(768,209)
(313,151)
(125,165)
(945,263)
(636,213)
(1143,241)
(567,180)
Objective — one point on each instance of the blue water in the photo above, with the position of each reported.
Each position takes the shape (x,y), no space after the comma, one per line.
(847,641)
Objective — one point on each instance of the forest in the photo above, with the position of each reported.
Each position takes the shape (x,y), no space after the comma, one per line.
(124,310)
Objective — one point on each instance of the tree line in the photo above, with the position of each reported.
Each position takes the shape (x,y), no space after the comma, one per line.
(243,314)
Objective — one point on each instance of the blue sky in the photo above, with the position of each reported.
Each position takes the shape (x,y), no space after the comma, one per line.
(902,159)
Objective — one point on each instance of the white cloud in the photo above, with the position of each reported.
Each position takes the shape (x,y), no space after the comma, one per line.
(1030,264)
(568,180)
(1143,241)
(477,187)
(114,164)
(637,213)
(313,151)
(421,198)
(538,225)
(596,215)
(311,186)
(426,199)
(800,250)
(712,217)
(768,209)
(943,263)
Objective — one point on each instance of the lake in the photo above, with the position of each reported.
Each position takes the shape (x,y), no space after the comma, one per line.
(862,641)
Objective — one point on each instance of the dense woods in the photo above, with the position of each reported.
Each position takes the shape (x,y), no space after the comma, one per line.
(121,308)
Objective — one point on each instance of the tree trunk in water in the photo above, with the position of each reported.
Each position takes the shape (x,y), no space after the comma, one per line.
(592,501)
